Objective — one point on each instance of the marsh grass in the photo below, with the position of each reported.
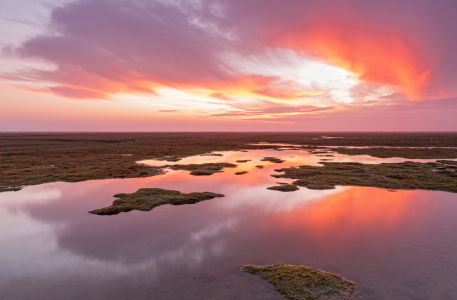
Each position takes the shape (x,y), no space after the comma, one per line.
(211,154)
(409,153)
(23,171)
(448,162)
(203,169)
(273,160)
(241,173)
(395,176)
(284,188)
(149,198)
(303,282)
(320,153)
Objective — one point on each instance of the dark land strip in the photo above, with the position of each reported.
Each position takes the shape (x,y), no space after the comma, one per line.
(31,159)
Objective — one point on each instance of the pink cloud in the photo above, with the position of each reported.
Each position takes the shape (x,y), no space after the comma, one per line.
(168,110)
(100,48)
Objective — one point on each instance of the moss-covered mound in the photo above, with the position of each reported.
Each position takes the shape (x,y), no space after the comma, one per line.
(302,282)
(284,188)
(147,199)
(203,169)
(408,175)
(273,160)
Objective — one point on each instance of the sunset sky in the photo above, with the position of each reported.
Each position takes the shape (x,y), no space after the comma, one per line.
(228,65)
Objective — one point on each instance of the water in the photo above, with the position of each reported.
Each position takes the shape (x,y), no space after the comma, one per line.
(395,245)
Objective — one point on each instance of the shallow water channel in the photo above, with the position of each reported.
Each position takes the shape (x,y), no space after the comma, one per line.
(395,245)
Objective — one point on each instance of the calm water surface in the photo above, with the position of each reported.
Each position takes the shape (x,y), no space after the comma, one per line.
(395,245)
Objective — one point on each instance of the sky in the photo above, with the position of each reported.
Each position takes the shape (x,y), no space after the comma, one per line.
(219,65)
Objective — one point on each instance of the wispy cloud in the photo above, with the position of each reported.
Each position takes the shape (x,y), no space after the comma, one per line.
(167,110)
(277,111)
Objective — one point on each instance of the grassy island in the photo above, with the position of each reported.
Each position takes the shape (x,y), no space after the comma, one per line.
(441,175)
(204,169)
(303,282)
(149,198)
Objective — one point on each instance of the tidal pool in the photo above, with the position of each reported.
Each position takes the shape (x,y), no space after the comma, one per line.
(395,245)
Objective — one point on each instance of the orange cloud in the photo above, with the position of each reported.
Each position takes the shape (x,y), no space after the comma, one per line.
(256,86)
(377,56)
(84,85)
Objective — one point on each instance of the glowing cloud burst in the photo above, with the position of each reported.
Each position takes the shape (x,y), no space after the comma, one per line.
(377,56)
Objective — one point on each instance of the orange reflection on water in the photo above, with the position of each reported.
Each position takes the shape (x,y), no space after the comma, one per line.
(368,209)
(226,180)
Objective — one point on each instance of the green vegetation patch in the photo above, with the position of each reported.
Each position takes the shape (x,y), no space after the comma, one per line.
(203,169)
(147,199)
(395,176)
(284,188)
(302,282)
(273,160)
